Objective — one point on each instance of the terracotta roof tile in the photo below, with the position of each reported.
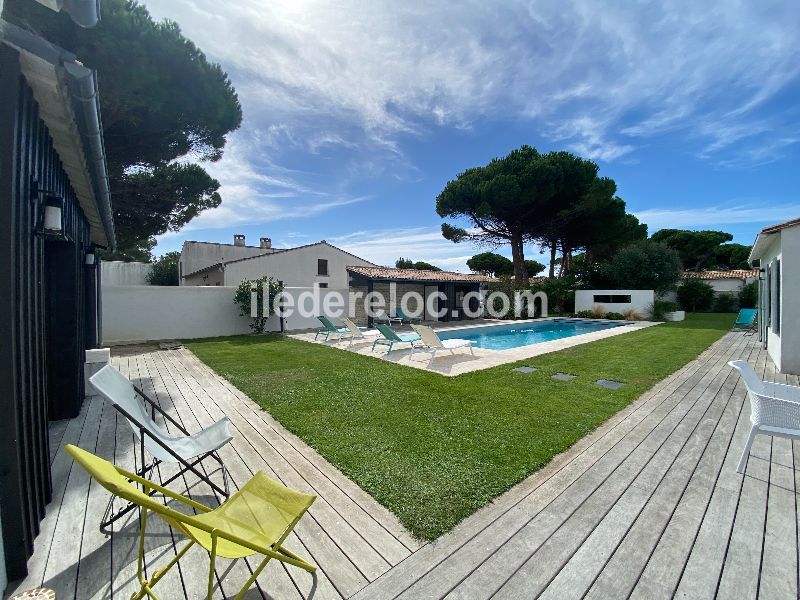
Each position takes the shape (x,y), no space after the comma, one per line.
(779,226)
(387,273)
(732,274)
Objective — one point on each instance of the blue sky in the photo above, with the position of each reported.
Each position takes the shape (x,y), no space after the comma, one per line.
(356,115)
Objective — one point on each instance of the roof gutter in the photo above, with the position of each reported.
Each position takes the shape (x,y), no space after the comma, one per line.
(85,13)
(82,85)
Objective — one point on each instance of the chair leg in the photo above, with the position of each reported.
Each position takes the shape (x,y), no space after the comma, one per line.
(248,584)
(746,452)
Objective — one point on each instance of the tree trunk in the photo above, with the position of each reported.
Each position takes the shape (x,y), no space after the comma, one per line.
(518,258)
(553,251)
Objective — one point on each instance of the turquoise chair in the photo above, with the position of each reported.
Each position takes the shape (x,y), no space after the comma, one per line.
(390,338)
(404,317)
(329,328)
(746,319)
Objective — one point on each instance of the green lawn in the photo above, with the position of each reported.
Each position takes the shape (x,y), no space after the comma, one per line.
(434,449)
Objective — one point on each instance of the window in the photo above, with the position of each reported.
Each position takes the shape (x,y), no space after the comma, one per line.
(322,266)
(323,285)
(612,298)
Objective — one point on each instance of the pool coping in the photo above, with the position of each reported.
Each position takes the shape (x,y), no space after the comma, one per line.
(461,361)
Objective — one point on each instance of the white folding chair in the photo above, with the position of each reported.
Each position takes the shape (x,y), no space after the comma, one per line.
(186,450)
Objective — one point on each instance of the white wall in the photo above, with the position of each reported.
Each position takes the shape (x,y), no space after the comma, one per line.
(141,313)
(641,300)
(147,313)
(117,272)
(298,267)
(784,346)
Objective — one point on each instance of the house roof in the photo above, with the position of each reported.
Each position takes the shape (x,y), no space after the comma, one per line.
(389,274)
(66,93)
(272,252)
(762,239)
(732,274)
(85,13)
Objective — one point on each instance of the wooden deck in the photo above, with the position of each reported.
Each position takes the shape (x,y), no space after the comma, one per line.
(346,533)
(649,505)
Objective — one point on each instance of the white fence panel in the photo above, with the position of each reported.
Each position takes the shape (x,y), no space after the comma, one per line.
(137,313)
(117,272)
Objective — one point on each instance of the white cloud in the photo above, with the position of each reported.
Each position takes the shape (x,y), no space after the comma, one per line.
(416,243)
(714,216)
(256,190)
(597,76)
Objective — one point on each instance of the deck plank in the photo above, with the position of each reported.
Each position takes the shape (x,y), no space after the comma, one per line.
(649,504)
(586,500)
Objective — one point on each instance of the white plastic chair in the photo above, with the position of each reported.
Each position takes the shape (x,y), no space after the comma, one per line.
(774,408)
(434,342)
(187,450)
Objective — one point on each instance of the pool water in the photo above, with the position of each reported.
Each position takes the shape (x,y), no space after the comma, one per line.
(514,335)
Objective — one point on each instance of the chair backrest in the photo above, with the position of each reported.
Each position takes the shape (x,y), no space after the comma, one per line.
(746,316)
(428,336)
(329,326)
(751,380)
(351,326)
(110,477)
(388,332)
(401,313)
(116,388)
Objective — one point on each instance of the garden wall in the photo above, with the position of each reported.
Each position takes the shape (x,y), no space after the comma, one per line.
(117,272)
(138,313)
(615,300)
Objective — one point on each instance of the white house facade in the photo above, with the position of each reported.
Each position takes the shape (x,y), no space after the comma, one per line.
(777,253)
(196,256)
(725,282)
(319,264)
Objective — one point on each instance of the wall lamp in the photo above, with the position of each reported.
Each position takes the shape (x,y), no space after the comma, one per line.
(49,214)
(91,259)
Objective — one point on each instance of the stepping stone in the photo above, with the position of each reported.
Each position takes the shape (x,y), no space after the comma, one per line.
(563,377)
(608,384)
(525,369)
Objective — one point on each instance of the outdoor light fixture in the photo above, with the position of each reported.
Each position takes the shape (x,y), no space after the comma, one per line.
(91,259)
(49,215)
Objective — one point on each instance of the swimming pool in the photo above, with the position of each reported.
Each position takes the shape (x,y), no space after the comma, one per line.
(514,335)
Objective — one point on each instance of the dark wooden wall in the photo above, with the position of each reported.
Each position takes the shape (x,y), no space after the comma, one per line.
(42,314)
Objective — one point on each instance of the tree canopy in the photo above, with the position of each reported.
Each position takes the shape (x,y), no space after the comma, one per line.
(491,263)
(421,265)
(161,100)
(165,270)
(555,199)
(644,265)
(703,249)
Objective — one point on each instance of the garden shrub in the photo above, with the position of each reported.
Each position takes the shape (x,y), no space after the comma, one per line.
(748,296)
(695,296)
(267,289)
(585,314)
(725,302)
(659,308)
(614,316)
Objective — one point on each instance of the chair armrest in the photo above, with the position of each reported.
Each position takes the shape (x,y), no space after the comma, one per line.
(780,391)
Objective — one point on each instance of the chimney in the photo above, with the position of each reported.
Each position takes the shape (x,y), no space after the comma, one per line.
(266,242)
(238,239)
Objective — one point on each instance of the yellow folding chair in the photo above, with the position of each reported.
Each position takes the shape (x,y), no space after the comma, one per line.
(254,520)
